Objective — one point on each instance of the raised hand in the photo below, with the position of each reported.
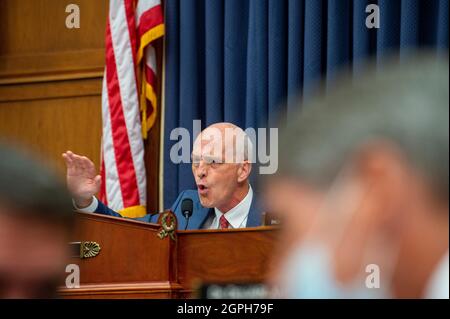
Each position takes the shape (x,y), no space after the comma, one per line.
(82,180)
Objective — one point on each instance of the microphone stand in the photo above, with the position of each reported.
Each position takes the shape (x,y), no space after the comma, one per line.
(187,221)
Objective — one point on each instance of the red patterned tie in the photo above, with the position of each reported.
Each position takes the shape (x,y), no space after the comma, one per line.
(223,222)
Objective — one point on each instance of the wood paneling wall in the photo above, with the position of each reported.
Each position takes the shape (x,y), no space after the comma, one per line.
(50,82)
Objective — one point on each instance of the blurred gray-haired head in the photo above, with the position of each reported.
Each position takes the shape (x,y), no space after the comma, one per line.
(404,103)
(31,189)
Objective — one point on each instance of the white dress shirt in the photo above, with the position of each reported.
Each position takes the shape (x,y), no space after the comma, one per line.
(236,217)
(90,209)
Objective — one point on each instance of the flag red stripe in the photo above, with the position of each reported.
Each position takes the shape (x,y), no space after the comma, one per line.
(131,21)
(129,12)
(103,196)
(150,76)
(150,19)
(122,150)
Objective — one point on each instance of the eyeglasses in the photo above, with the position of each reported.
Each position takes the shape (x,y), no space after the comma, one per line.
(207,160)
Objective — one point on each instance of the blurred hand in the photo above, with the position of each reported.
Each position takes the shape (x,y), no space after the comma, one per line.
(82,179)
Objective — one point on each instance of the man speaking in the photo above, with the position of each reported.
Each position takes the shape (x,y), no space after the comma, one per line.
(221,164)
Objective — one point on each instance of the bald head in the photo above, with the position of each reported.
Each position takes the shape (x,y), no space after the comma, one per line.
(221,166)
(225,143)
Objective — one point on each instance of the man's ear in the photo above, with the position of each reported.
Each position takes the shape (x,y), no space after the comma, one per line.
(384,170)
(244,171)
(373,194)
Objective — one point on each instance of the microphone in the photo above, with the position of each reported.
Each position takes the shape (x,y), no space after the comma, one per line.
(186,209)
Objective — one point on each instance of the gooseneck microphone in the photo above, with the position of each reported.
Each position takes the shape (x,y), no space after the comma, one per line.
(186,210)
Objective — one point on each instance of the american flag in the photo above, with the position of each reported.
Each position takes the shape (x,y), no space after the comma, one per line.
(128,101)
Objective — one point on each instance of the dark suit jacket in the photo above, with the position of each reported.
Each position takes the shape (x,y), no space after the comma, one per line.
(199,216)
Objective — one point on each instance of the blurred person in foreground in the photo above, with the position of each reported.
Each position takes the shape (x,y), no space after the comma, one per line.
(35,225)
(363,186)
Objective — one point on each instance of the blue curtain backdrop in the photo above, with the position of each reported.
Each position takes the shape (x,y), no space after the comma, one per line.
(239,60)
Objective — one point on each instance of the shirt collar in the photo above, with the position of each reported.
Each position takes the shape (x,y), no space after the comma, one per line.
(237,215)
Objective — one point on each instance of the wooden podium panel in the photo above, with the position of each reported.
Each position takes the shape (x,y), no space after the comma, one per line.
(224,256)
(135,262)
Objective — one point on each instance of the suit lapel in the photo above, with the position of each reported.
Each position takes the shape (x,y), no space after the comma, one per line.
(254,214)
(199,216)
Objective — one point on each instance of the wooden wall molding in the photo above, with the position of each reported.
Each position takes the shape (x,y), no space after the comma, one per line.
(51,66)
(46,90)
(52,77)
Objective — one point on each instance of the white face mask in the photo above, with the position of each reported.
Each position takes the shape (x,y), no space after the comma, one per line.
(309,274)
(309,271)
(438,287)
